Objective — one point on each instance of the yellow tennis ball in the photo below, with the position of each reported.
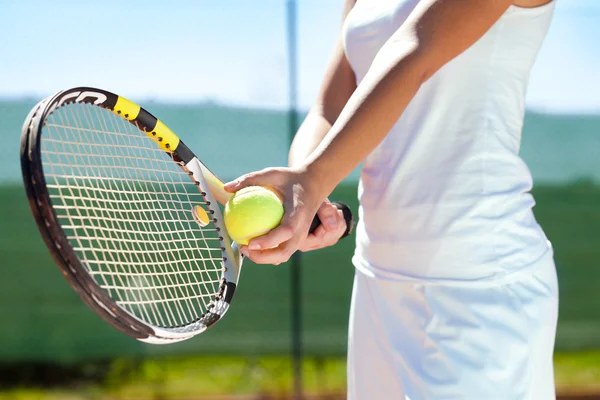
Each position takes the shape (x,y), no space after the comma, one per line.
(251,212)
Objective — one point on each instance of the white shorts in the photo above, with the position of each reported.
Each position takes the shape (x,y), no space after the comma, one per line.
(419,341)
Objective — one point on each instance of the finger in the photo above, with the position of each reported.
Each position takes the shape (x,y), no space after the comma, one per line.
(251,179)
(318,233)
(313,240)
(232,185)
(341,224)
(268,177)
(287,228)
(239,183)
(328,215)
(274,256)
(322,238)
(272,239)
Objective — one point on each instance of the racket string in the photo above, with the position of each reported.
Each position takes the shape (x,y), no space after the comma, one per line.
(172,291)
(111,232)
(169,292)
(126,209)
(188,307)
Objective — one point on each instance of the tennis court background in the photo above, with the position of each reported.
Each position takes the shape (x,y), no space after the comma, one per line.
(48,322)
(45,321)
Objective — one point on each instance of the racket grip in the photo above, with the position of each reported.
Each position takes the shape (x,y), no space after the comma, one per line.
(347,217)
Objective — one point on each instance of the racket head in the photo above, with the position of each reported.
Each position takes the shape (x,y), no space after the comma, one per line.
(72,165)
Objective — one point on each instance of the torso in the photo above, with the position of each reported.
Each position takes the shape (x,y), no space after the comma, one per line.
(445,195)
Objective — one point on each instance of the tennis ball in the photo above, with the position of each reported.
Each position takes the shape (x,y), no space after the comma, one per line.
(251,212)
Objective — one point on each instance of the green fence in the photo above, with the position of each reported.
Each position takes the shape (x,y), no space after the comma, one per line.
(43,320)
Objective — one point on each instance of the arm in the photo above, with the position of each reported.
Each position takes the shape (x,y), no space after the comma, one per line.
(336,88)
(436,32)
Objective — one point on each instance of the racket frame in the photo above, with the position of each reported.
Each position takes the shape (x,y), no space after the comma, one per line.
(61,250)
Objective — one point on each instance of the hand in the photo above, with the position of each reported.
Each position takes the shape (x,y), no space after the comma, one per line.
(333,226)
(302,198)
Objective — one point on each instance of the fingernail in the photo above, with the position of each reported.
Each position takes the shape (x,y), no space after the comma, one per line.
(244,252)
(331,222)
(254,246)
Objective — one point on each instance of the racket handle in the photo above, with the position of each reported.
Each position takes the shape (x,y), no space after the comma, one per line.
(347,217)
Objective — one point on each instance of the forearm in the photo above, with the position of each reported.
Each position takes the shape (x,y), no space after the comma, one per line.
(309,136)
(338,84)
(368,116)
(435,32)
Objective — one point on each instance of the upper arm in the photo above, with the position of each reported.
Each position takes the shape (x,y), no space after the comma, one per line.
(339,81)
(437,31)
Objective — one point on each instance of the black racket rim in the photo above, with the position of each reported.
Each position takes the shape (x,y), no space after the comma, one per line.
(61,250)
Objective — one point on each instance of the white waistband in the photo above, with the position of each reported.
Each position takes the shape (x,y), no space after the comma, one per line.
(494,279)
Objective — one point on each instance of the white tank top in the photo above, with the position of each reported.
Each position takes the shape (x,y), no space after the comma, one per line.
(446,196)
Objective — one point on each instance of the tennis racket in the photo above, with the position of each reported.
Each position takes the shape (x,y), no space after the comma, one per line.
(130,215)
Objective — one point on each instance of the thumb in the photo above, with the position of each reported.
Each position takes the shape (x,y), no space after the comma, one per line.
(231,186)
(239,183)
(260,178)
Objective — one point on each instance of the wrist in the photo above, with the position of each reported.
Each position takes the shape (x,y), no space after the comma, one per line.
(317,180)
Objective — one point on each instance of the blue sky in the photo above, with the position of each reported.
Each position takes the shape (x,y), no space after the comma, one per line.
(233,51)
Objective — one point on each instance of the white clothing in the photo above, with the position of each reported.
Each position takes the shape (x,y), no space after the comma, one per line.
(445,196)
(455,294)
(410,341)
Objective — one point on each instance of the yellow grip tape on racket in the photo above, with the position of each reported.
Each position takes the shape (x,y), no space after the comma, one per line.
(126,109)
(161,134)
(165,138)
